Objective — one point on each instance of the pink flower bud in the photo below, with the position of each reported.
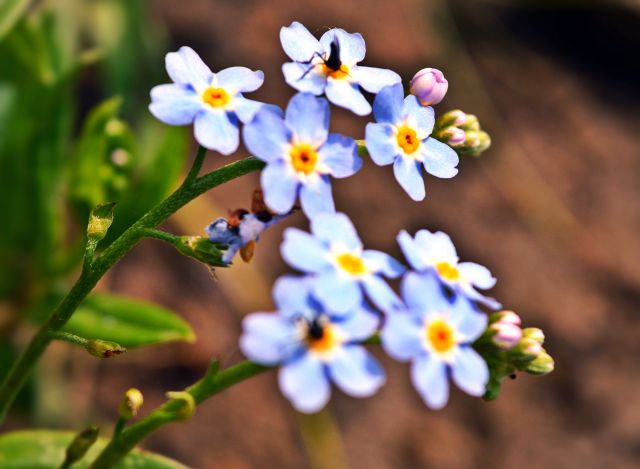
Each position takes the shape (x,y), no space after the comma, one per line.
(509,317)
(429,85)
(506,335)
(455,136)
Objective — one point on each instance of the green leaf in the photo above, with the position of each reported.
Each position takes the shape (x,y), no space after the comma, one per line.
(45,449)
(10,12)
(128,322)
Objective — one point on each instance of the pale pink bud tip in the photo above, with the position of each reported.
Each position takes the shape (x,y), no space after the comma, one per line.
(429,85)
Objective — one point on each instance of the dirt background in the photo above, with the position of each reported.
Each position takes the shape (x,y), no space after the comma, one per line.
(552,208)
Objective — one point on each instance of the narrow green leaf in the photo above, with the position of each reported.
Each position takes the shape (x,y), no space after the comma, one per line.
(128,322)
(45,449)
(10,12)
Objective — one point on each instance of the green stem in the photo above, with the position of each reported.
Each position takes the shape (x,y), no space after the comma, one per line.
(161,235)
(212,383)
(70,338)
(192,187)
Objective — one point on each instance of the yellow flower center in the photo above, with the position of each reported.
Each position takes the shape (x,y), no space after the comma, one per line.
(408,140)
(216,97)
(304,158)
(351,263)
(342,72)
(321,338)
(440,335)
(447,271)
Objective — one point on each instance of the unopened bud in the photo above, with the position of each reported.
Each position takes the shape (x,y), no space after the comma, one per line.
(188,404)
(455,118)
(470,123)
(201,249)
(524,352)
(541,365)
(505,335)
(131,403)
(476,143)
(454,136)
(100,220)
(534,333)
(104,348)
(429,85)
(80,445)
(506,317)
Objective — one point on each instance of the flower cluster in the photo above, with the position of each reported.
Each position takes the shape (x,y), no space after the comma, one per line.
(342,302)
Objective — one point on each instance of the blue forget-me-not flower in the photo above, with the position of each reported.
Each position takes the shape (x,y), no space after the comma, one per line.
(330,66)
(300,155)
(335,254)
(435,252)
(213,102)
(436,334)
(313,346)
(402,136)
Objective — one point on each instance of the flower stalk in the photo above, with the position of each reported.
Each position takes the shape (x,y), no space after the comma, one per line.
(91,273)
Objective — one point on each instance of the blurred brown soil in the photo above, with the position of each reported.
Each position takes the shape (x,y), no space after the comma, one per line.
(552,209)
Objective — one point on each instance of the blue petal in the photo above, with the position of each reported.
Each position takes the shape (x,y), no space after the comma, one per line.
(218,231)
(387,107)
(340,294)
(381,143)
(239,79)
(246,109)
(280,187)
(316,197)
(308,118)
(342,93)
(473,294)
(340,154)
(374,79)
(352,47)
(381,294)
(267,338)
(304,252)
(174,104)
(436,245)
(298,43)
(423,292)
(360,324)
(383,263)
(429,376)
(291,294)
(305,383)
(402,336)
(412,251)
(267,136)
(420,118)
(185,67)
(232,249)
(337,229)
(477,275)
(217,130)
(470,372)
(407,173)
(440,159)
(469,322)
(305,78)
(356,372)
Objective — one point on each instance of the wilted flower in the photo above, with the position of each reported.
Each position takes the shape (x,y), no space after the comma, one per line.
(314,346)
(330,66)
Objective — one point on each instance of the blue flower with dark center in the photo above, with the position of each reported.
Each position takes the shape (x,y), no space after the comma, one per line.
(402,136)
(335,254)
(300,154)
(436,334)
(313,346)
(330,66)
(213,102)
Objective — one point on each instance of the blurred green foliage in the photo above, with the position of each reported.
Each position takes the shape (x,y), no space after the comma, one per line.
(75,132)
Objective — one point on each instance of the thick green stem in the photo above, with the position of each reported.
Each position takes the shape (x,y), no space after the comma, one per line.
(192,187)
(173,410)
